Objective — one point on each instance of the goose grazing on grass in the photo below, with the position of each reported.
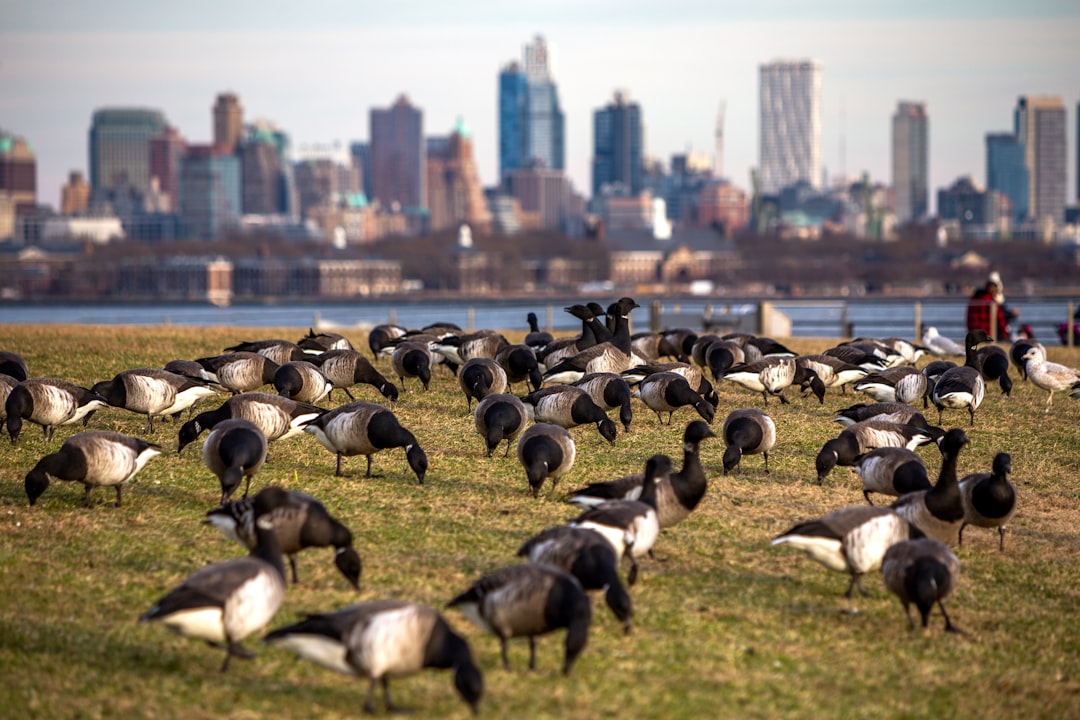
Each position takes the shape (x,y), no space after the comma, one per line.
(833,371)
(536,338)
(922,571)
(381,639)
(569,406)
(901,384)
(850,540)
(631,526)
(676,496)
(278,352)
(363,428)
(863,437)
(697,380)
(277,417)
(520,364)
(225,602)
(240,371)
(48,402)
(234,450)
(892,411)
(381,336)
(611,356)
(891,471)
(989,499)
(480,377)
(773,375)
(346,368)
(412,359)
(302,522)
(150,392)
(1017,351)
(1050,376)
(962,386)
(937,344)
(95,458)
(586,555)
(500,417)
(939,511)
(529,600)
(994,365)
(667,392)
(721,356)
(7,384)
(302,381)
(545,451)
(12,364)
(747,431)
(609,391)
(861,357)
(317,343)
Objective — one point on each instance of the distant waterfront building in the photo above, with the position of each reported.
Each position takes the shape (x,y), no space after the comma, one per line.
(543,197)
(979,213)
(1007,172)
(321,182)
(228,122)
(18,173)
(513,119)
(790,124)
(74,195)
(1040,126)
(166,151)
(723,206)
(210,192)
(120,147)
(266,170)
(398,155)
(618,148)
(531,121)
(455,195)
(910,153)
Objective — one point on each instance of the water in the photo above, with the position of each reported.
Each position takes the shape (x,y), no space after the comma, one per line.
(810,318)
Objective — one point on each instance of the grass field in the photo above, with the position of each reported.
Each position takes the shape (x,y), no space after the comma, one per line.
(725,624)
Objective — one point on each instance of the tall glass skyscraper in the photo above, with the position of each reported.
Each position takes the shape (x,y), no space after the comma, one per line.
(531,121)
(910,150)
(790,115)
(1006,171)
(618,148)
(1040,126)
(398,155)
(120,147)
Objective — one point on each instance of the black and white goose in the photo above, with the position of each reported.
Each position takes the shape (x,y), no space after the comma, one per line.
(545,451)
(897,412)
(457,349)
(278,352)
(520,364)
(480,377)
(381,639)
(150,392)
(611,356)
(939,511)
(901,384)
(568,407)
(278,417)
(412,359)
(891,471)
(677,495)
(872,346)
(747,431)
(536,338)
(609,391)
(989,499)
(382,336)
(586,555)
(694,376)
(7,384)
(225,602)
(302,381)
(631,526)
(529,600)
(363,428)
(95,458)
(345,368)
(773,375)
(240,371)
(922,571)
(302,522)
(317,343)
(500,417)
(994,365)
(833,371)
(667,392)
(13,365)
(48,402)
(592,332)
(722,355)
(850,540)
(863,437)
(1049,376)
(234,450)
(962,386)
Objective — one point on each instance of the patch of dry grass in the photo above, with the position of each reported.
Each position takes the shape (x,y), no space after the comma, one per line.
(725,625)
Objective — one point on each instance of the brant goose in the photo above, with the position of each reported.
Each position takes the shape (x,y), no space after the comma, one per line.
(864,436)
(480,377)
(989,498)
(891,471)
(569,406)
(609,391)
(48,402)
(95,458)
(276,416)
(150,392)
(747,431)
(345,368)
(921,571)
(962,386)
(240,371)
(234,450)
(545,451)
(939,511)
(499,417)
(363,428)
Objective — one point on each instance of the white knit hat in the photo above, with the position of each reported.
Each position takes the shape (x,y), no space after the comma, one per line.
(995,278)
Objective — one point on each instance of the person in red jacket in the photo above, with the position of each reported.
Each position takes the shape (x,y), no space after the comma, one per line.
(979,312)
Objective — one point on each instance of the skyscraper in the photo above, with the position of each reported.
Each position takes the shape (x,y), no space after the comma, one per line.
(1006,172)
(228,122)
(166,151)
(398,155)
(455,194)
(1040,127)
(209,194)
(120,147)
(531,121)
(790,117)
(18,173)
(910,175)
(618,148)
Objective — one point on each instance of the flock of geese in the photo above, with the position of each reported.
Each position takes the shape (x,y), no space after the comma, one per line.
(567,382)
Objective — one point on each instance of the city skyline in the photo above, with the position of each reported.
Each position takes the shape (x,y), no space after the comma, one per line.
(317,71)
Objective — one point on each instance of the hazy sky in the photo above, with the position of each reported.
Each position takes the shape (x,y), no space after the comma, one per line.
(316,68)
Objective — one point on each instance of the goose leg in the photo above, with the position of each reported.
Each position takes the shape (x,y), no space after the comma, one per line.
(532,653)
(1001,539)
(119,488)
(292,564)
(949,627)
(86,497)
(369,704)
(505,654)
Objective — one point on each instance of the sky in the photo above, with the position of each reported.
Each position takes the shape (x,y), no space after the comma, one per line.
(316,69)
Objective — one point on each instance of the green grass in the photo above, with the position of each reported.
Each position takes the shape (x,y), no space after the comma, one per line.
(725,624)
